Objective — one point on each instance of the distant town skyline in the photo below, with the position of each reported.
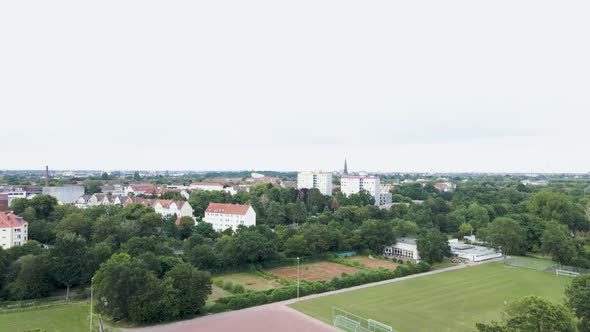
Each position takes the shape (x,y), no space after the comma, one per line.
(458,86)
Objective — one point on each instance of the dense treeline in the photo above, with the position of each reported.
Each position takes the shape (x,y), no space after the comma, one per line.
(154,255)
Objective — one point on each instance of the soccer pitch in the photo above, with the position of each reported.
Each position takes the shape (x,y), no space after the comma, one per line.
(448,301)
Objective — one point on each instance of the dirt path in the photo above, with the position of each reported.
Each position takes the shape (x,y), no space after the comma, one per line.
(274,316)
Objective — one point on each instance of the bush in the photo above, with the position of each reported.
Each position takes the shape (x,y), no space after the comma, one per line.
(238,289)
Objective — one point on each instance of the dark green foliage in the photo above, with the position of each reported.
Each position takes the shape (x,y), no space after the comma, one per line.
(533,314)
(433,246)
(577,296)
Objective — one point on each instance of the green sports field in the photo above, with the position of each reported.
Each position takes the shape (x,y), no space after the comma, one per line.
(62,318)
(448,301)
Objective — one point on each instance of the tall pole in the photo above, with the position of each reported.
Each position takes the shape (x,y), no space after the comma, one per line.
(297,278)
(91,300)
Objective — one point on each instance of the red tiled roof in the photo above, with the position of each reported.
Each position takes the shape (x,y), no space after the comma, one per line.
(143,187)
(10,220)
(227,208)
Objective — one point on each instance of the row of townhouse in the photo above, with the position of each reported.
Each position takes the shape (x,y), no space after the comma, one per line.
(162,206)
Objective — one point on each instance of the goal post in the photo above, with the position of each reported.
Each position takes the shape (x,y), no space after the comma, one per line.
(348,322)
(559,272)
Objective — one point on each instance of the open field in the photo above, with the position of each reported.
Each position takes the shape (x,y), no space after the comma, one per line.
(249,281)
(61,318)
(373,263)
(313,271)
(449,301)
(217,293)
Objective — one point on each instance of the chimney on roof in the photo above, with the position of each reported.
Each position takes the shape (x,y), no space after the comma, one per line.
(46,176)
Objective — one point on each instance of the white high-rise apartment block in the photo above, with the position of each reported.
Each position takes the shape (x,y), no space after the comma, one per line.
(353,184)
(320,180)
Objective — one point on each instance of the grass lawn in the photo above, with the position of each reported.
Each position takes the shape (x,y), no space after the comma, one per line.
(449,301)
(217,293)
(249,281)
(63,318)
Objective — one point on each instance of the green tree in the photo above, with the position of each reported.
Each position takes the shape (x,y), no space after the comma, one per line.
(465,229)
(32,278)
(70,261)
(533,314)
(123,281)
(405,228)
(577,297)
(275,214)
(43,205)
(559,243)
(92,187)
(376,235)
(296,246)
(191,288)
(75,223)
(560,207)
(185,227)
(433,246)
(505,234)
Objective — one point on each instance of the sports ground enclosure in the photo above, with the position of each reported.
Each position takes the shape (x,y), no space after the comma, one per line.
(449,301)
(224,284)
(313,271)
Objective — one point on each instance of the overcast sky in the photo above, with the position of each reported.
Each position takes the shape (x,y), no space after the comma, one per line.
(296,85)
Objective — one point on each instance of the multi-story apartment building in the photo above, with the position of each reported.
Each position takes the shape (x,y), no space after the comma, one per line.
(13,230)
(353,184)
(224,216)
(320,180)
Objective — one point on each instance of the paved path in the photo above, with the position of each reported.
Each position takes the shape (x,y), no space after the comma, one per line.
(274,316)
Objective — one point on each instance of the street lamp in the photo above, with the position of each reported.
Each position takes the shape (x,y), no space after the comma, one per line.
(297,278)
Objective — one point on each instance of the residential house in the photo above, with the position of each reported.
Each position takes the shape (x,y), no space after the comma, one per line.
(13,230)
(224,216)
(140,189)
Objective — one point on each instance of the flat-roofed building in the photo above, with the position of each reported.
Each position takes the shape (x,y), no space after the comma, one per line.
(404,248)
(320,180)
(353,184)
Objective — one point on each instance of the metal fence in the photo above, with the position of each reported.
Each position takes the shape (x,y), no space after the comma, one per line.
(544,265)
(345,321)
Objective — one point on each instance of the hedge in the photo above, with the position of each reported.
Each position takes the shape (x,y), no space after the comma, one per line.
(255,298)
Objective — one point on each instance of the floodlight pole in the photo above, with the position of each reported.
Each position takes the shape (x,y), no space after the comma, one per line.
(297,278)
(91,300)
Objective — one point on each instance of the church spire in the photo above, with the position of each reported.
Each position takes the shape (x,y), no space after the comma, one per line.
(345,172)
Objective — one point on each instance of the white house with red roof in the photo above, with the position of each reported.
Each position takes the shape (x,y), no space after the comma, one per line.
(13,230)
(169,207)
(224,216)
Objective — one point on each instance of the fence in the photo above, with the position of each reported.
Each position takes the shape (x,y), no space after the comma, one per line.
(345,321)
(544,265)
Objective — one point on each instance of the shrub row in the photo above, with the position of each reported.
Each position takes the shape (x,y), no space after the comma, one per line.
(255,298)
